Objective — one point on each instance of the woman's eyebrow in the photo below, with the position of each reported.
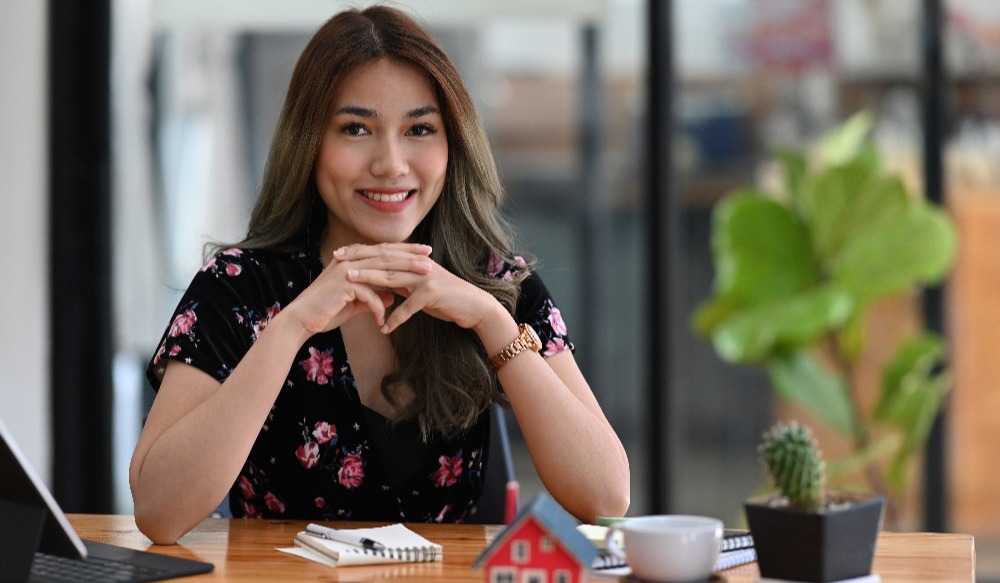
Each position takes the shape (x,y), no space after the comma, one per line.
(371,113)
(422,111)
(356,110)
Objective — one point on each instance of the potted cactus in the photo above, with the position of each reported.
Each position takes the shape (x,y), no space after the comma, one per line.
(806,532)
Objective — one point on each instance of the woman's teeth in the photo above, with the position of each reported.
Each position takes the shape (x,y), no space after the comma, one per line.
(397,197)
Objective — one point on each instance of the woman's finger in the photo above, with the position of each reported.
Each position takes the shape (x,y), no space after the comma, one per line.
(384,250)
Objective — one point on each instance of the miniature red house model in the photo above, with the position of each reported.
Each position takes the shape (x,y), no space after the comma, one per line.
(541,545)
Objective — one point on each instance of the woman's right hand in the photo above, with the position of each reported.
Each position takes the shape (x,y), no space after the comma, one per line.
(333,299)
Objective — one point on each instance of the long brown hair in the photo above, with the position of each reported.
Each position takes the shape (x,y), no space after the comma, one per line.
(443,363)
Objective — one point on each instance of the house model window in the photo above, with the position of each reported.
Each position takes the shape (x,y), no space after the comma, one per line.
(546,544)
(520,551)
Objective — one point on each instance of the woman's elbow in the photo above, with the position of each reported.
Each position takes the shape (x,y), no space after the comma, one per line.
(157,529)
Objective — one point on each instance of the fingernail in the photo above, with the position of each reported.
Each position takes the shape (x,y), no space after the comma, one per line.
(385,329)
(340,252)
(352,273)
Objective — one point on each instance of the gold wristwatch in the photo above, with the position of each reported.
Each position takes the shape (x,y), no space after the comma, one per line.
(526,340)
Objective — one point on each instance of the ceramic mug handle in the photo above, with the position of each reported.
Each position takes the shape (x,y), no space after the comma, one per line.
(611,541)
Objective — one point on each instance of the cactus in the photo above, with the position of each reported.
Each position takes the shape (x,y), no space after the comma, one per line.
(793,460)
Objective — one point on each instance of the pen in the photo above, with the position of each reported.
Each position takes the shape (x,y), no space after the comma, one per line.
(345,537)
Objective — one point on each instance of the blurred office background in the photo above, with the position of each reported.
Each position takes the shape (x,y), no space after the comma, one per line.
(193,92)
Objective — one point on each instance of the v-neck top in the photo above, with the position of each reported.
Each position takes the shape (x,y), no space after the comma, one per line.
(321,454)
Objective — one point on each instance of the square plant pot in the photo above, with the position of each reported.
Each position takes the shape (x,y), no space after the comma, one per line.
(829,545)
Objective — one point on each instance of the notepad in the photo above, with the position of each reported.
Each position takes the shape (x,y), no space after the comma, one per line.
(734,539)
(402,545)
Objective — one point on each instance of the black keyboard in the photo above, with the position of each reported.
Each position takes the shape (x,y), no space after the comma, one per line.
(96,569)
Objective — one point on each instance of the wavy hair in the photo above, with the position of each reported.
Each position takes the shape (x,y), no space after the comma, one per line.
(444,364)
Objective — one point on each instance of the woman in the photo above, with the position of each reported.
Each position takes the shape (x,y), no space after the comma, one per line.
(340,361)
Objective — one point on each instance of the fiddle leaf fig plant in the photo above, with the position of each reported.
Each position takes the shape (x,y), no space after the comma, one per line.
(797,270)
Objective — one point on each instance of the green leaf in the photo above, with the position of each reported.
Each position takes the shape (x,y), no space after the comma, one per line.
(847,203)
(913,364)
(758,332)
(913,390)
(843,143)
(798,378)
(795,166)
(761,253)
(851,337)
(915,247)
(710,314)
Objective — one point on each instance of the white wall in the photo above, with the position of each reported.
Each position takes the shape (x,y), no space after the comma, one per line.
(24,357)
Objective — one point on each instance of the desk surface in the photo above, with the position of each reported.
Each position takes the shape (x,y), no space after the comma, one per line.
(243,550)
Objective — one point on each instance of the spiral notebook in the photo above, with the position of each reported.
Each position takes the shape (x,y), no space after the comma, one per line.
(402,545)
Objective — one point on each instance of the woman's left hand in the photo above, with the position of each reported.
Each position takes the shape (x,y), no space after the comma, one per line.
(437,292)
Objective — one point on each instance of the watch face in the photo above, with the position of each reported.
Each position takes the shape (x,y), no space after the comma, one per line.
(534,342)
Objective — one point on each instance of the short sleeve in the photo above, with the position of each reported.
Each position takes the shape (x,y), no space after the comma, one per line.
(213,326)
(536,308)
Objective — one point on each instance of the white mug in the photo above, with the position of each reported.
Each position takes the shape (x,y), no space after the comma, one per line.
(670,548)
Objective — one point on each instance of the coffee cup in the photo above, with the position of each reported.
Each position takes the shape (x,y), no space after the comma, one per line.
(669,548)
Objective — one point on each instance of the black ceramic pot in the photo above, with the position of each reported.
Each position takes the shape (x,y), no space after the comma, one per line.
(835,543)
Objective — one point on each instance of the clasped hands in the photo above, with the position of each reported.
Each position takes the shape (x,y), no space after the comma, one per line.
(364,278)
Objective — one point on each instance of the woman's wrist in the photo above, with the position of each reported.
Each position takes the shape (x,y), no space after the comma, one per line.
(496,329)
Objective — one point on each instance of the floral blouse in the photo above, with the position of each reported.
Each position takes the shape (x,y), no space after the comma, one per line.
(321,454)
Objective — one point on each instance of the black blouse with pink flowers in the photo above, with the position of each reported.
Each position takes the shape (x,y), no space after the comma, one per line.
(321,454)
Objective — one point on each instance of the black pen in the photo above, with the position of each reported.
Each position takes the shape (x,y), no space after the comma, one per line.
(345,536)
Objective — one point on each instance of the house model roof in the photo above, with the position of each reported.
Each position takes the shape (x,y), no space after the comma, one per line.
(559,524)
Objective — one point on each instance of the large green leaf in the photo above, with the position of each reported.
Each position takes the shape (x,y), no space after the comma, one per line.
(848,202)
(761,253)
(758,332)
(916,246)
(798,378)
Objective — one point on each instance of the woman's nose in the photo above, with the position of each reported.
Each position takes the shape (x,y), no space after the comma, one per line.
(389,159)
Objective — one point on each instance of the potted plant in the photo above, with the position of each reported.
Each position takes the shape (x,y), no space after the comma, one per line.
(798,268)
(806,533)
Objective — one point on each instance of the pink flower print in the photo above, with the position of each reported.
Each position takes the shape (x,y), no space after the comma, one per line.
(320,502)
(555,318)
(519,261)
(210,264)
(495,266)
(554,346)
(250,510)
(233,252)
(159,352)
(175,350)
(449,471)
(246,487)
(318,367)
(324,432)
(440,516)
(232,270)
(351,472)
(273,504)
(259,325)
(308,454)
(183,323)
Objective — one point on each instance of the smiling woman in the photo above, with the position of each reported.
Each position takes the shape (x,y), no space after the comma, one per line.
(383,157)
(340,361)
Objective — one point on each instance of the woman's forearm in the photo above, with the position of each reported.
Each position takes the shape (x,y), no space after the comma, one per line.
(199,434)
(577,454)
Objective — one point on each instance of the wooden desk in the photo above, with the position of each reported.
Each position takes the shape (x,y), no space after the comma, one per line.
(243,550)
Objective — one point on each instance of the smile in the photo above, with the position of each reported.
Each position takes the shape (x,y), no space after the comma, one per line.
(384,197)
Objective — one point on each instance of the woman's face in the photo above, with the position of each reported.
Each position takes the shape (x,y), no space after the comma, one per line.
(382,159)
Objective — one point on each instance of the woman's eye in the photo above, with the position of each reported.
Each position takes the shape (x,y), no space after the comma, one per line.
(353,129)
(422,130)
